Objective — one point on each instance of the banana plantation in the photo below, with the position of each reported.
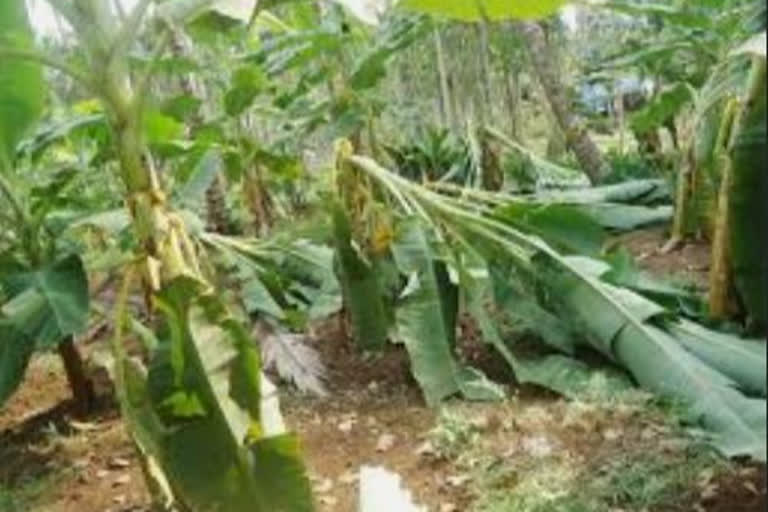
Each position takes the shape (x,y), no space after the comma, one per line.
(383,255)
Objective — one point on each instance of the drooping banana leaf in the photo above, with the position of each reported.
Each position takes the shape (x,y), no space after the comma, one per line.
(45,306)
(426,321)
(639,192)
(623,326)
(743,360)
(565,226)
(204,389)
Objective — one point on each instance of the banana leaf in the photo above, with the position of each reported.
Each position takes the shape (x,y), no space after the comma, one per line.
(45,306)
(743,360)
(426,322)
(204,389)
(22,89)
(626,328)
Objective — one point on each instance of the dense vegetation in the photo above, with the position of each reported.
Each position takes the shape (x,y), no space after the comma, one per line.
(212,178)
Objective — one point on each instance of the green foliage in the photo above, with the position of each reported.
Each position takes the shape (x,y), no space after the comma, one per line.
(203,390)
(664,106)
(22,93)
(628,167)
(625,327)
(361,288)
(436,155)
(44,306)
(492,9)
(426,321)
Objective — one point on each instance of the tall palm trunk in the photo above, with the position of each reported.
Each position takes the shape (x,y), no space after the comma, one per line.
(578,140)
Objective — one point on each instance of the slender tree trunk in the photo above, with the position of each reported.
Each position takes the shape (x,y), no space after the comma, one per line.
(445,93)
(578,140)
(511,95)
(485,73)
(258,200)
(79,383)
(618,108)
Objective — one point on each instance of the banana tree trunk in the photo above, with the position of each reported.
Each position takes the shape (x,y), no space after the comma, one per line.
(720,274)
(577,139)
(741,163)
(79,383)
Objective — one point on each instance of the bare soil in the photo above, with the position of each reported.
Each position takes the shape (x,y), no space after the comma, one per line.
(690,262)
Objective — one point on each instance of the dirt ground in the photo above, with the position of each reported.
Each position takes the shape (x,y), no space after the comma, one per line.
(689,263)
(374,415)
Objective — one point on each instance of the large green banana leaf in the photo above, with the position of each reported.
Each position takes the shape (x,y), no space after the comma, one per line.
(426,321)
(743,360)
(625,327)
(622,325)
(204,389)
(22,90)
(45,306)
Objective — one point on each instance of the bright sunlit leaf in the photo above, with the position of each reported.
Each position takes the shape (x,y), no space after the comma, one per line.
(492,9)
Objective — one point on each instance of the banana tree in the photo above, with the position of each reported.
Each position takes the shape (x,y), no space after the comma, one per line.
(43,285)
(210,395)
(571,301)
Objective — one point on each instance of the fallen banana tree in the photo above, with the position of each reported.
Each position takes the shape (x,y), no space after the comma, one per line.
(571,303)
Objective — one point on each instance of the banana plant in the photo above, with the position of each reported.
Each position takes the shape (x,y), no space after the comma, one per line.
(210,393)
(571,301)
(43,285)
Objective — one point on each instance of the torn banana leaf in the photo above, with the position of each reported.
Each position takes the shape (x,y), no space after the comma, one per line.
(625,327)
(426,322)
(205,389)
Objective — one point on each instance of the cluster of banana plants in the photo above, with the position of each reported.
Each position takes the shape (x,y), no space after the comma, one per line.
(196,403)
(505,260)
(713,93)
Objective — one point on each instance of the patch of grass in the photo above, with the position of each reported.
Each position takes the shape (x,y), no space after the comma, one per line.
(647,480)
(649,463)
(23,497)
(454,434)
